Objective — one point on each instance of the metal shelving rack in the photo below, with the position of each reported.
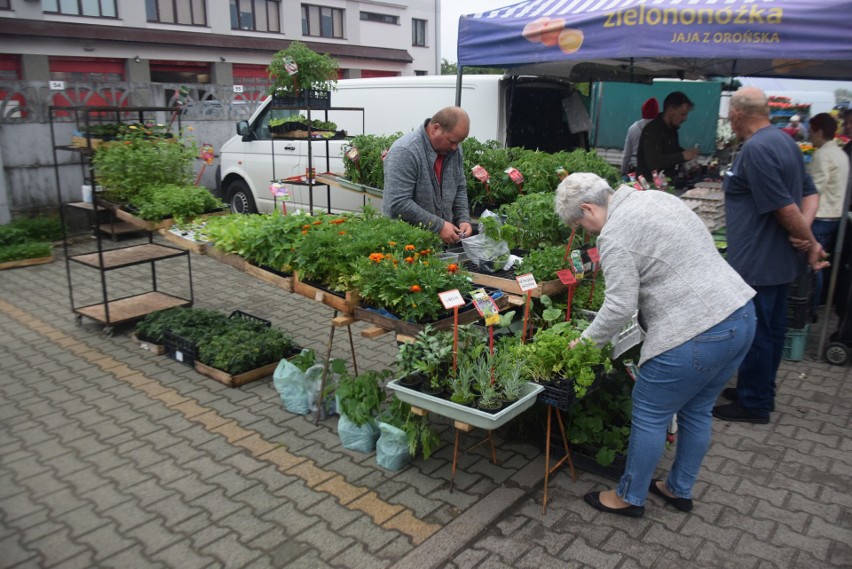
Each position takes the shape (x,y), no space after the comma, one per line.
(111,312)
(311,182)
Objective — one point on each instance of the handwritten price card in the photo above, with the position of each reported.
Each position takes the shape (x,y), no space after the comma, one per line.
(526,282)
(451,298)
(566,277)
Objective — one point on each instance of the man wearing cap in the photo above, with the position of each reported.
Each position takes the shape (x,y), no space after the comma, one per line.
(794,128)
(650,110)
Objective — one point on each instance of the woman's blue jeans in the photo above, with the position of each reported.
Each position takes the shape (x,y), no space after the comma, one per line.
(685,380)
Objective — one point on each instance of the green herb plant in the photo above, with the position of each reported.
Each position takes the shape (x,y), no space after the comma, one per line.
(361,397)
(420,435)
(315,71)
(183,202)
(368,169)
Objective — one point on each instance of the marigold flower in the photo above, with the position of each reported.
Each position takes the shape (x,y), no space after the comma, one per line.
(341,233)
(318,222)
(376,257)
(410,247)
(395,262)
(425,251)
(337,221)
(409,260)
(415,288)
(304,232)
(392,243)
(307,226)
(452,268)
(425,263)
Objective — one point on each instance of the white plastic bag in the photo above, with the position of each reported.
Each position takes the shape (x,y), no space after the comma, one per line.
(353,437)
(392,447)
(291,383)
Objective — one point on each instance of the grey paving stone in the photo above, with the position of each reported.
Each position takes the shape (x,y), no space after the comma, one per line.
(357,557)
(56,546)
(128,515)
(230,551)
(14,552)
(153,536)
(132,557)
(182,555)
(290,517)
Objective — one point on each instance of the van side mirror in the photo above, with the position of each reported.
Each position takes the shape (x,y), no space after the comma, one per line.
(243,129)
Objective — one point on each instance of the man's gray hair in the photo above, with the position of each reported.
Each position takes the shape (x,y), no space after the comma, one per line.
(578,189)
(751,102)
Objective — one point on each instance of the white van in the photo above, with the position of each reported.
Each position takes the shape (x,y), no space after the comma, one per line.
(532,112)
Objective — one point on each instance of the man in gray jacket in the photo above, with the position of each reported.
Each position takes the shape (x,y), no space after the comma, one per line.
(424,176)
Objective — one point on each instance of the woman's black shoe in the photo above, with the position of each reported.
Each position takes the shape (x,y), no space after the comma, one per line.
(594,500)
(682,504)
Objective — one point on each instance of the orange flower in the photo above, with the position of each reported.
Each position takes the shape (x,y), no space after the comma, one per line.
(425,263)
(392,243)
(410,247)
(337,221)
(395,262)
(409,260)
(425,251)
(306,226)
(415,288)
(376,257)
(304,232)
(318,222)
(341,233)
(452,268)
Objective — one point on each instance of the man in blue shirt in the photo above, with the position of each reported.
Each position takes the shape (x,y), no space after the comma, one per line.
(770,202)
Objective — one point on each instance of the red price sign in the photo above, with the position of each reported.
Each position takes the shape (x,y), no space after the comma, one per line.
(566,277)
(451,298)
(526,282)
(593,254)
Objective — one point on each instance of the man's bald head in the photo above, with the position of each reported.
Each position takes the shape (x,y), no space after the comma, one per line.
(751,102)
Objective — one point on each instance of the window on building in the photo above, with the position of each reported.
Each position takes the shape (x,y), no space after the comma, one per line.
(256,15)
(191,13)
(85,69)
(5,5)
(97,8)
(420,72)
(322,21)
(418,32)
(381,18)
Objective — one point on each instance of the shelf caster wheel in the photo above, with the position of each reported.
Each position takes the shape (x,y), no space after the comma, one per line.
(108,331)
(836,353)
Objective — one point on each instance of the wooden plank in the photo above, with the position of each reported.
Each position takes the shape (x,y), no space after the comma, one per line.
(125,256)
(156,349)
(285,283)
(463,427)
(516,300)
(229,259)
(26,262)
(340,321)
(405,339)
(131,308)
(344,303)
(511,286)
(235,380)
(374,332)
(418,411)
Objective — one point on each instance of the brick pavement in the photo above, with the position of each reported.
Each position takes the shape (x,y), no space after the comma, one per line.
(113,457)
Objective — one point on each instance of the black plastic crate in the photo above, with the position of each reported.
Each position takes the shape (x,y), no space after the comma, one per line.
(179,348)
(798,312)
(310,99)
(250,318)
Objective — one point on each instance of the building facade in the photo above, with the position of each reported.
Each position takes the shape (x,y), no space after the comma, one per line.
(219,42)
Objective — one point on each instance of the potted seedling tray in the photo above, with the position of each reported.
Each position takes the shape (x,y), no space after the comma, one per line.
(184,239)
(467,314)
(242,378)
(505,280)
(463,413)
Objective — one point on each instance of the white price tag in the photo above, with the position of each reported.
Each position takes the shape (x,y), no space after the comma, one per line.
(179,356)
(57,85)
(451,298)
(526,282)
(238,88)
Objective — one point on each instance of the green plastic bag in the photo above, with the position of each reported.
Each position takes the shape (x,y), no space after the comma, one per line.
(392,447)
(293,386)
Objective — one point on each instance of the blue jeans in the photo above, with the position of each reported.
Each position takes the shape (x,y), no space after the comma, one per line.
(756,376)
(685,380)
(825,231)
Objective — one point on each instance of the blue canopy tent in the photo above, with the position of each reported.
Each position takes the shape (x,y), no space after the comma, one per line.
(642,39)
(639,40)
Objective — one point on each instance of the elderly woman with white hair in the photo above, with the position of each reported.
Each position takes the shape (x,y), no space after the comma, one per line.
(658,257)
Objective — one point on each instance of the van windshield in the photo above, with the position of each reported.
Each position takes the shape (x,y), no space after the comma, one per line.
(260,127)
